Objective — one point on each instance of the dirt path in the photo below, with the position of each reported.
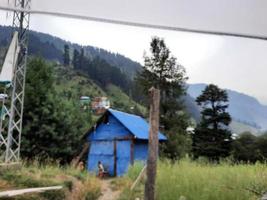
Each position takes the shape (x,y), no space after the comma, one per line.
(107,192)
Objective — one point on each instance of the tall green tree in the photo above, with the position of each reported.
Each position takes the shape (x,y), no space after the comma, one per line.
(66,55)
(82,58)
(52,127)
(75,59)
(162,71)
(212,137)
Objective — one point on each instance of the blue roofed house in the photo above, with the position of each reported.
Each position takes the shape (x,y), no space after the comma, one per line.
(118,140)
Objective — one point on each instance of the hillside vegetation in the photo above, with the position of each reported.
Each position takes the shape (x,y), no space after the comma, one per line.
(77,185)
(51,48)
(71,85)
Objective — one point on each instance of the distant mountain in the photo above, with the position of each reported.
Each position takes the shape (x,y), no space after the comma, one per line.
(191,107)
(243,108)
(51,48)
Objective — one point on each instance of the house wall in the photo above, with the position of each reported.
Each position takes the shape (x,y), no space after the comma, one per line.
(107,140)
(140,150)
(109,152)
(123,156)
(101,151)
(113,129)
(111,144)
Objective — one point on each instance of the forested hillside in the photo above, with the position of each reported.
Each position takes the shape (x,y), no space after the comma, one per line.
(51,48)
(100,65)
(100,71)
(71,85)
(104,68)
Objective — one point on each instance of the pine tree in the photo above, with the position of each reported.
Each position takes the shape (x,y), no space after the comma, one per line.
(212,137)
(81,59)
(162,71)
(75,59)
(66,55)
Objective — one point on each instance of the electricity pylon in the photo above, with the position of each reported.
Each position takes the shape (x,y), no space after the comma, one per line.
(13,100)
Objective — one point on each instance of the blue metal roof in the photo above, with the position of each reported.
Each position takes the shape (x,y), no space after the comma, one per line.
(135,124)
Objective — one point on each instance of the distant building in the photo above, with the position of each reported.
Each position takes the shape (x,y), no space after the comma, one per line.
(118,140)
(190,130)
(85,102)
(100,105)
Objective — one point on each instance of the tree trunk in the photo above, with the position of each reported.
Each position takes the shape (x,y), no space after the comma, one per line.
(153,144)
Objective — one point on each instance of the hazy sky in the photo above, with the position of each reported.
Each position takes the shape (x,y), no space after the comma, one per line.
(237,64)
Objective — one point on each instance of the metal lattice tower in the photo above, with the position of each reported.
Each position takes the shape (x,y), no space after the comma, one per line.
(12,107)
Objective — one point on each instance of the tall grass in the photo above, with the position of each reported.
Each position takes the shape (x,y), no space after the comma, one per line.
(200,181)
(135,170)
(126,182)
(78,185)
(192,180)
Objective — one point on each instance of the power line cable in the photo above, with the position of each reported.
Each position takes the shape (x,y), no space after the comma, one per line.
(135,24)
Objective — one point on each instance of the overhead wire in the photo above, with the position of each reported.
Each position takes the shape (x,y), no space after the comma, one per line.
(135,24)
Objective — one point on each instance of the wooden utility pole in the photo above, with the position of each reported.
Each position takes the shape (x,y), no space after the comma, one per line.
(154,95)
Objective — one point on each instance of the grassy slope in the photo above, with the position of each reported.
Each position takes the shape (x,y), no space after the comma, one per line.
(200,181)
(76,84)
(122,101)
(71,84)
(187,179)
(76,184)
